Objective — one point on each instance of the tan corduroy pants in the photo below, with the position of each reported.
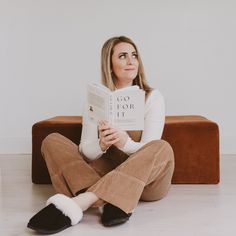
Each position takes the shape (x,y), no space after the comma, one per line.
(115,177)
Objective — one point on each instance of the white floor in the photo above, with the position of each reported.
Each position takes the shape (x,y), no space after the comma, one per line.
(187,210)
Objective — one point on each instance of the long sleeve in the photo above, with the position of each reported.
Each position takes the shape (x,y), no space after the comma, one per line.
(154,120)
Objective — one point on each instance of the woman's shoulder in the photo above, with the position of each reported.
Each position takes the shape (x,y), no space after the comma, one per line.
(155,100)
(155,94)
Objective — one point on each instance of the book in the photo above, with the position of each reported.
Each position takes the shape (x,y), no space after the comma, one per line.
(122,108)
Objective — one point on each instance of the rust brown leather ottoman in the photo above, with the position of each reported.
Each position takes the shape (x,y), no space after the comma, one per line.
(194,139)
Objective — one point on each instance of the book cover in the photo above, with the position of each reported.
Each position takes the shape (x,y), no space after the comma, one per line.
(123,108)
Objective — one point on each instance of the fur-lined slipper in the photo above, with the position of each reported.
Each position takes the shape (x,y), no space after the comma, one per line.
(113,215)
(60,213)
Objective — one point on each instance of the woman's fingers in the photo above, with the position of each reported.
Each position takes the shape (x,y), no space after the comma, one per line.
(103,123)
(111,136)
(108,138)
(102,126)
(112,142)
(108,132)
(108,135)
(105,130)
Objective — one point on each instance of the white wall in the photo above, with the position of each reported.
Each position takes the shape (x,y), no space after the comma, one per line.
(50,49)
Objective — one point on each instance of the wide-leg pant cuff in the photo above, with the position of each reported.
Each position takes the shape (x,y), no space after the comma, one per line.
(119,189)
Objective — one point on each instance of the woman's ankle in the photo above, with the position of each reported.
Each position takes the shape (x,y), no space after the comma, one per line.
(85,200)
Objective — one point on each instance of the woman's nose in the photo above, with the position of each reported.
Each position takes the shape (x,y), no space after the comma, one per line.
(129,61)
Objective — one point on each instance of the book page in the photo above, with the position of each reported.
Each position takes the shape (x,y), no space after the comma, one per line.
(97,103)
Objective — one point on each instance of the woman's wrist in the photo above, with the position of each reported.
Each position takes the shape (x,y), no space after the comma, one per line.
(103,147)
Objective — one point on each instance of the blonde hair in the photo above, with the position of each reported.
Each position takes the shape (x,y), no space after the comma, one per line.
(106,65)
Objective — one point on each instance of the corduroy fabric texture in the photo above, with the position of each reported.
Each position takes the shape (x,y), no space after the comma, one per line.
(116,177)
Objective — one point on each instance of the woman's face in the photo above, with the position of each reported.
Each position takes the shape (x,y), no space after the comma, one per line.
(124,64)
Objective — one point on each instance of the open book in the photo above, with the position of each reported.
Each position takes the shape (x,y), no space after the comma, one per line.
(123,108)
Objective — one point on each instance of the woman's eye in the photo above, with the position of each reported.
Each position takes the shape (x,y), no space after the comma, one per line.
(122,56)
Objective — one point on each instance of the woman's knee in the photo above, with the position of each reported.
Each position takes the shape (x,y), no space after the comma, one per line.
(164,147)
(48,141)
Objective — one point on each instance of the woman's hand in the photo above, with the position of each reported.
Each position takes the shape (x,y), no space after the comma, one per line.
(110,135)
(107,135)
(123,136)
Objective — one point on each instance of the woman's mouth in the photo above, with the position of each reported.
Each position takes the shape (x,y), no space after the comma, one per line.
(128,69)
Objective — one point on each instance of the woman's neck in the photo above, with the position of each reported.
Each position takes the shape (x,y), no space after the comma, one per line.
(119,86)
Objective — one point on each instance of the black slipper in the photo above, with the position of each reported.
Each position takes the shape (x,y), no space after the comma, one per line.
(113,215)
(60,213)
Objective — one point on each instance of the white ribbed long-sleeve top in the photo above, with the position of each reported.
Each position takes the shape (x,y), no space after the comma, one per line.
(154,120)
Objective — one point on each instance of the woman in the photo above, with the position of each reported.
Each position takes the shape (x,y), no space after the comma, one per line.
(113,168)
